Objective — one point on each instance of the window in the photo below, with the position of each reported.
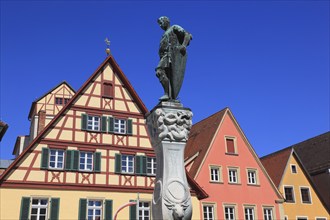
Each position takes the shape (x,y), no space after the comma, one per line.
(58,101)
(107,90)
(144,210)
(127,164)
(289,196)
(120,126)
(302,218)
(233,175)
(268,214)
(151,165)
(208,212)
(93,123)
(215,174)
(94,210)
(320,218)
(61,101)
(252,177)
(293,169)
(249,213)
(230,146)
(305,195)
(229,213)
(56,159)
(39,209)
(86,161)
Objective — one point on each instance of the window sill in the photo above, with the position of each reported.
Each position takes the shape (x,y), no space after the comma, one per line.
(235,183)
(216,182)
(55,169)
(107,97)
(253,184)
(231,154)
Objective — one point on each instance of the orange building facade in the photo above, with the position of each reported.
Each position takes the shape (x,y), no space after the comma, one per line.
(221,160)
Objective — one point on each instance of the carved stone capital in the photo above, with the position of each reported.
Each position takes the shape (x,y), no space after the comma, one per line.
(170,124)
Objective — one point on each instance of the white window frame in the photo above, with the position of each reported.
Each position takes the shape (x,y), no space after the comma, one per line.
(293,193)
(268,213)
(94,207)
(93,123)
(231,213)
(85,155)
(209,211)
(151,166)
(119,126)
(234,175)
(127,163)
(252,180)
(215,174)
(321,218)
(309,195)
(39,207)
(145,210)
(58,159)
(251,216)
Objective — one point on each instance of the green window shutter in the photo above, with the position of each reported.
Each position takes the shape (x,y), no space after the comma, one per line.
(108,210)
(44,158)
(111,125)
(25,208)
(129,127)
(75,160)
(68,160)
(82,209)
(132,211)
(83,122)
(97,161)
(54,208)
(140,165)
(104,124)
(117,163)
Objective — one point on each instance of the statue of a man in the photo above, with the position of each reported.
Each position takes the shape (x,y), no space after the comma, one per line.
(173,57)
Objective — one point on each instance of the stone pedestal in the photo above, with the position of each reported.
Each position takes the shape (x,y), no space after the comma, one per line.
(169,124)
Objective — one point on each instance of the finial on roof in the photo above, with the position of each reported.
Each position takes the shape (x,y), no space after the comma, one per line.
(107,42)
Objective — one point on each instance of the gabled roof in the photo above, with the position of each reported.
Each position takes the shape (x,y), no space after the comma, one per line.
(275,164)
(315,152)
(200,138)
(122,77)
(38,99)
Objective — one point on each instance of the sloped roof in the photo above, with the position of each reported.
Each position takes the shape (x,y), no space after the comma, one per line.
(315,152)
(200,138)
(275,164)
(49,91)
(122,77)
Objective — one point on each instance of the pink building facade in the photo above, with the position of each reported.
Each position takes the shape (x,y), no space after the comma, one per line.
(221,160)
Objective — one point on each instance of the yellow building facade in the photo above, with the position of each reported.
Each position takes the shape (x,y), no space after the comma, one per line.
(91,159)
(302,202)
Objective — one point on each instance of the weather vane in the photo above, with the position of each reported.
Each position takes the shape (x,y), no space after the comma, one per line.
(107,42)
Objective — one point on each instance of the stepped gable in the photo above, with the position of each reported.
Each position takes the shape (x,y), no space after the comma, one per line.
(200,138)
(275,164)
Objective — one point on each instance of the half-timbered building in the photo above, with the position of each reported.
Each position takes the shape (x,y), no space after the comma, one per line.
(90,159)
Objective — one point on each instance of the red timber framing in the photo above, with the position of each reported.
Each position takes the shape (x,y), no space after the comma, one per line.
(47,101)
(91,141)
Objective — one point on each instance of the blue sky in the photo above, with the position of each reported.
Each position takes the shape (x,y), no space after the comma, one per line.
(268,61)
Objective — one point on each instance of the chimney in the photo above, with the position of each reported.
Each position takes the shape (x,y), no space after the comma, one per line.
(41,120)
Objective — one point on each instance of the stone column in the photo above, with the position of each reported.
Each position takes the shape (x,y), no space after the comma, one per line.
(169,124)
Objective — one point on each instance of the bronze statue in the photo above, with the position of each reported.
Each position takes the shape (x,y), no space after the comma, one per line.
(173,57)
